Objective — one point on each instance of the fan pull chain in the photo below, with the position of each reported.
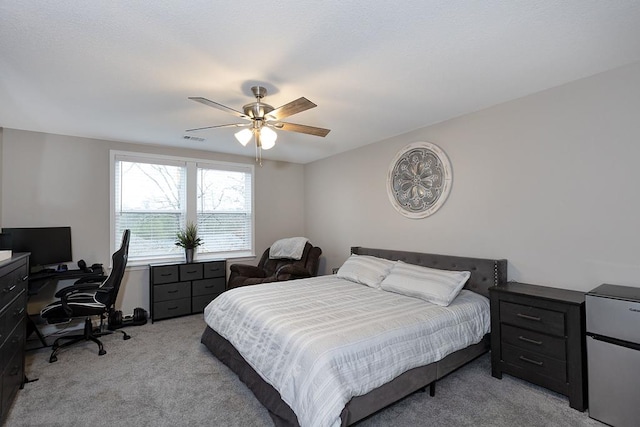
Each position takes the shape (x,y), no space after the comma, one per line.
(258,149)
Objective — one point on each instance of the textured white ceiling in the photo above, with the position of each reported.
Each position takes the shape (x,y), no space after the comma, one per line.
(122,70)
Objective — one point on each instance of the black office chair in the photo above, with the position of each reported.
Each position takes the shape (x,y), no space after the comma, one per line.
(84,299)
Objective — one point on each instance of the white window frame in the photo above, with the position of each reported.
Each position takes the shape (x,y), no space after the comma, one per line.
(192,165)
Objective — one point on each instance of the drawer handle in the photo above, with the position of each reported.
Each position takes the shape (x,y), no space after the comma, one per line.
(166,274)
(192,271)
(534,362)
(172,308)
(172,292)
(25,278)
(209,286)
(18,312)
(526,316)
(9,288)
(529,340)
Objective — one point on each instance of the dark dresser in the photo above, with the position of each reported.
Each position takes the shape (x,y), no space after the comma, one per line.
(538,334)
(181,289)
(13,312)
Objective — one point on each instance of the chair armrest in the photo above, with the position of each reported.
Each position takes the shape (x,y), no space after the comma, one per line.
(292,271)
(247,270)
(69,290)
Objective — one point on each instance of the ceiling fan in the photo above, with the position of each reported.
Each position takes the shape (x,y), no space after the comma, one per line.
(263,119)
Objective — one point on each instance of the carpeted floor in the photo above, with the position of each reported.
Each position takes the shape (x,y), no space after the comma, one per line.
(163,376)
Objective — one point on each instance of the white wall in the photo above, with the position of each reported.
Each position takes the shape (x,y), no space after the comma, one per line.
(55,180)
(549,181)
(1,138)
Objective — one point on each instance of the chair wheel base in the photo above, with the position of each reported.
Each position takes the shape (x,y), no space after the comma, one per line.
(102,352)
(53,359)
(126,337)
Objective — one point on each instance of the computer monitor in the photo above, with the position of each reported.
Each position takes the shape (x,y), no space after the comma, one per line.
(48,245)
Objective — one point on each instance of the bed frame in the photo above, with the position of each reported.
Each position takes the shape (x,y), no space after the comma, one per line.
(484,274)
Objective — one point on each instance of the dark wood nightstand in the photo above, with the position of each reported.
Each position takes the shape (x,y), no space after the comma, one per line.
(537,334)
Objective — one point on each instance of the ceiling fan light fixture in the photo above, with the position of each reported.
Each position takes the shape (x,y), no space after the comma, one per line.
(267,138)
(244,136)
(260,115)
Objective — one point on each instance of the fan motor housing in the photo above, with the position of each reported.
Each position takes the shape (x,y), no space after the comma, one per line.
(257,110)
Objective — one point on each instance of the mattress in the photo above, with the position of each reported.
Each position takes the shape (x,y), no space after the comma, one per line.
(321,341)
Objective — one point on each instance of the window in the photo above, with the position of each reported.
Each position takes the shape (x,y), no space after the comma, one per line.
(155,196)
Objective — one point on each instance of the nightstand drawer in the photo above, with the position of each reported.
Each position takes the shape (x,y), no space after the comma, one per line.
(173,308)
(208,286)
(538,319)
(534,341)
(535,363)
(172,291)
(166,274)
(190,272)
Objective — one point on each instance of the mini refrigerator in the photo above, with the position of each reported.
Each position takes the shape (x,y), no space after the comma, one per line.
(613,354)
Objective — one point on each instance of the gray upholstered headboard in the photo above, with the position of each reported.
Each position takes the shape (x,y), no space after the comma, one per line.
(484,272)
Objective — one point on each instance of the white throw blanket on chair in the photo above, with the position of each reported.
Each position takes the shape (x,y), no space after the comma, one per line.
(290,248)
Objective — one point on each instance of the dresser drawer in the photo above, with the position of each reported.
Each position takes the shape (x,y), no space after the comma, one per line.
(166,274)
(214,269)
(534,341)
(535,363)
(199,303)
(534,318)
(14,343)
(11,284)
(208,286)
(171,291)
(11,380)
(173,308)
(190,272)
(12,315)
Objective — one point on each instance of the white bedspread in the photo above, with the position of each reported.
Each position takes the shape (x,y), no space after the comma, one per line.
(323,340)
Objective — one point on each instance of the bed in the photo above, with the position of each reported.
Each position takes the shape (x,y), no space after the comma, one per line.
(389,387)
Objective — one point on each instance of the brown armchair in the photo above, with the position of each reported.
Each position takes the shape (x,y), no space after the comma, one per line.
(275,270)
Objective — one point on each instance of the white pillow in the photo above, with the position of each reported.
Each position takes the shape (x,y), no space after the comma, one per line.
(436,286)
(365,269)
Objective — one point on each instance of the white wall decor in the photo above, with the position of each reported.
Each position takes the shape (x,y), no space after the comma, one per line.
(419,180)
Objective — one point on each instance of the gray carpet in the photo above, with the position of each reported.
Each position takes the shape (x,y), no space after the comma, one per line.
(163,376)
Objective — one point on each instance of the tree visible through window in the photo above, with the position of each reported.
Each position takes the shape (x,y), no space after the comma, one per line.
(153,196)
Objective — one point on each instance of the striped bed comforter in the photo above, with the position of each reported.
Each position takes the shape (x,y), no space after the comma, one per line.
(323,340)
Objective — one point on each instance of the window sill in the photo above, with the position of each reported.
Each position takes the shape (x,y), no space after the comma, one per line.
(235,256)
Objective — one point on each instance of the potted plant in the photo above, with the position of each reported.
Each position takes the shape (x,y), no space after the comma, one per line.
(189,240)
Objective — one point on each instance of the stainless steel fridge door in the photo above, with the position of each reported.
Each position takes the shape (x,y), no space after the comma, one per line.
(614,383)
(614,318)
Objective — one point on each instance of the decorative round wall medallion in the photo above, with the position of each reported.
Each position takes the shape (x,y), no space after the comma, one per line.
(419,180)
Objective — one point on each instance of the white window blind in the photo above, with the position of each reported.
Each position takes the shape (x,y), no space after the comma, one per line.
(224,209)
(154,197)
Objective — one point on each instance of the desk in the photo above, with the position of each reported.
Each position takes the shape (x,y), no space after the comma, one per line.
(40,280)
